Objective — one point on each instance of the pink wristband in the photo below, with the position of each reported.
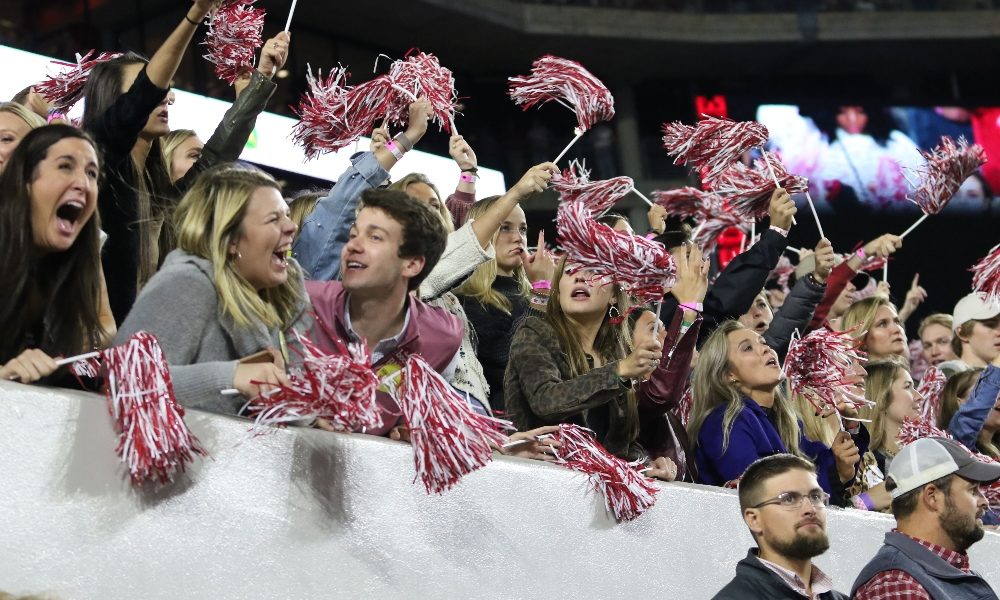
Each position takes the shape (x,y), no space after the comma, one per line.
(695,306)
(467,178)
(391,147)
(542,284)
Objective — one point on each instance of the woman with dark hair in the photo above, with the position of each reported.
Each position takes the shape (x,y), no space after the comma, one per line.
(126,110)
(577,363)
(50,257)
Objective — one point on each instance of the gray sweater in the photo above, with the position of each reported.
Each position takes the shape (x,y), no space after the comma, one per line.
(180,307)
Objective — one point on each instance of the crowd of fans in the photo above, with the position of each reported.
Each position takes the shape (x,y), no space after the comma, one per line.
(123,225)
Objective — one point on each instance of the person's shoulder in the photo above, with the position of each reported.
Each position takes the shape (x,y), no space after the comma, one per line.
(317,289)
(183,274)
(435,320)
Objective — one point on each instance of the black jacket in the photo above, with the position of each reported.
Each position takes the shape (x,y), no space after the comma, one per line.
(754,580)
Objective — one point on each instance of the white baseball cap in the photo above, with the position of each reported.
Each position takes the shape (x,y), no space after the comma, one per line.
(974,306)
(928,459)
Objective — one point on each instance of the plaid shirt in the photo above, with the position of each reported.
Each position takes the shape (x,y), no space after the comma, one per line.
(898,585)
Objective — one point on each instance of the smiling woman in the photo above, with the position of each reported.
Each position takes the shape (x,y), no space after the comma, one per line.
(50,252)
(233,281)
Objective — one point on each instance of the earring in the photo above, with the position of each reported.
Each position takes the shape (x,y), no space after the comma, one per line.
(613,312)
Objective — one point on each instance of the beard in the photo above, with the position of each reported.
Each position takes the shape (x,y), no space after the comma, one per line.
(802,547)
(961,528)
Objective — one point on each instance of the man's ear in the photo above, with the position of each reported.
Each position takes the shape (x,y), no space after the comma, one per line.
(933,498)
(751,517)
(413,266)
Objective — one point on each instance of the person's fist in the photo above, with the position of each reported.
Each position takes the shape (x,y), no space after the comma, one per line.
(825,258)
(781,209)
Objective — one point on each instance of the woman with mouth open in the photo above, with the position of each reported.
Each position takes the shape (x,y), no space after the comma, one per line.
(223,300)
(51,269)
(742,413)
(578,363)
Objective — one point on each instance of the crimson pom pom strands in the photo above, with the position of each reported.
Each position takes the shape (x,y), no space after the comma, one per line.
(782,272)
(574,185)
(154,442)
(339,388)
(948,165)
(568,83)
(449,439)
(689,202)
(749,190)
(819,367)
(642,267)
(930,389)
(684,406)
(327,121)
(421,75)
(234,35)
(913,429)
(65,89)
(986,276)
(627,493)
(706,235)
(712,144)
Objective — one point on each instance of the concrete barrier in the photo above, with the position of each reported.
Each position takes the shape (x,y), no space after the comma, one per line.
(306,514)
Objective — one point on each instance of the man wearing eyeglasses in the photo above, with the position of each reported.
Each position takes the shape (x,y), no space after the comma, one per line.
(785,509)
(938,502)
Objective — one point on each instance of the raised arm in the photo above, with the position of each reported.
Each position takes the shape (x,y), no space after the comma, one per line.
(167,58)
(797,311)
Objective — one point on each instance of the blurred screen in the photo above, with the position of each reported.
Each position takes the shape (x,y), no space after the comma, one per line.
(870,155)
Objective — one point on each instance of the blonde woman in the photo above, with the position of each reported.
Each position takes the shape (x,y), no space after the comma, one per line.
(890,390)
(499,292)
(876,323)
(223,299)
(956,393)
(740,414)
(15,123)
(576,364)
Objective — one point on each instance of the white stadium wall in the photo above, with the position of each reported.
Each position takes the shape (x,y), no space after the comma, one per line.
(299,513)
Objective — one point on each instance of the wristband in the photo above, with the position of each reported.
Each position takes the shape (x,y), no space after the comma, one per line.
(542,284)
(695,306)
(55,115)
(404,142)
(783,232)
(860,253)
(188,19)
(391,147)
(467,178)
(865,500)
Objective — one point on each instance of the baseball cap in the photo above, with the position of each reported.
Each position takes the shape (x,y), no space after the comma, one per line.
(924,460)
(974,306)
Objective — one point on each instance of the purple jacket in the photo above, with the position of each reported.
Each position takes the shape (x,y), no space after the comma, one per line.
(433,333)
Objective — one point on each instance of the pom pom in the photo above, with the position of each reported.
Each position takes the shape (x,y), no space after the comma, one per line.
(689,202)
(930,389)
(782,272)
(640,266)
(64,90)
(421,75)
(914,429)
(627,493)
(574,185)
(683,409)
(449,439)
(339,388)
(569,84)
(749,190)
(948,165)
(986,276)
(154,442)
(233,38)
(713,144)
(706,235)
(819,367)
(326,123)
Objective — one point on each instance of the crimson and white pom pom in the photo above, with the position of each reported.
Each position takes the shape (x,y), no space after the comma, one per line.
(683,409)
(420,75)
(449,439)
(64,90)
(627,493)
(234,35)
(819,367)
(948,165)
(930,389)
(713,144)
(88,367)
(574,185)
(339,388)
(986,276)
(781,271)
(749,189)
(874,264)
(689,202)
(913,429)
(154,442)
(641,267)
(326,123)
(706,235)
(568,83)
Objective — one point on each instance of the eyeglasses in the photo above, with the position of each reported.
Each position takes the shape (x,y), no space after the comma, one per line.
(793,500)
